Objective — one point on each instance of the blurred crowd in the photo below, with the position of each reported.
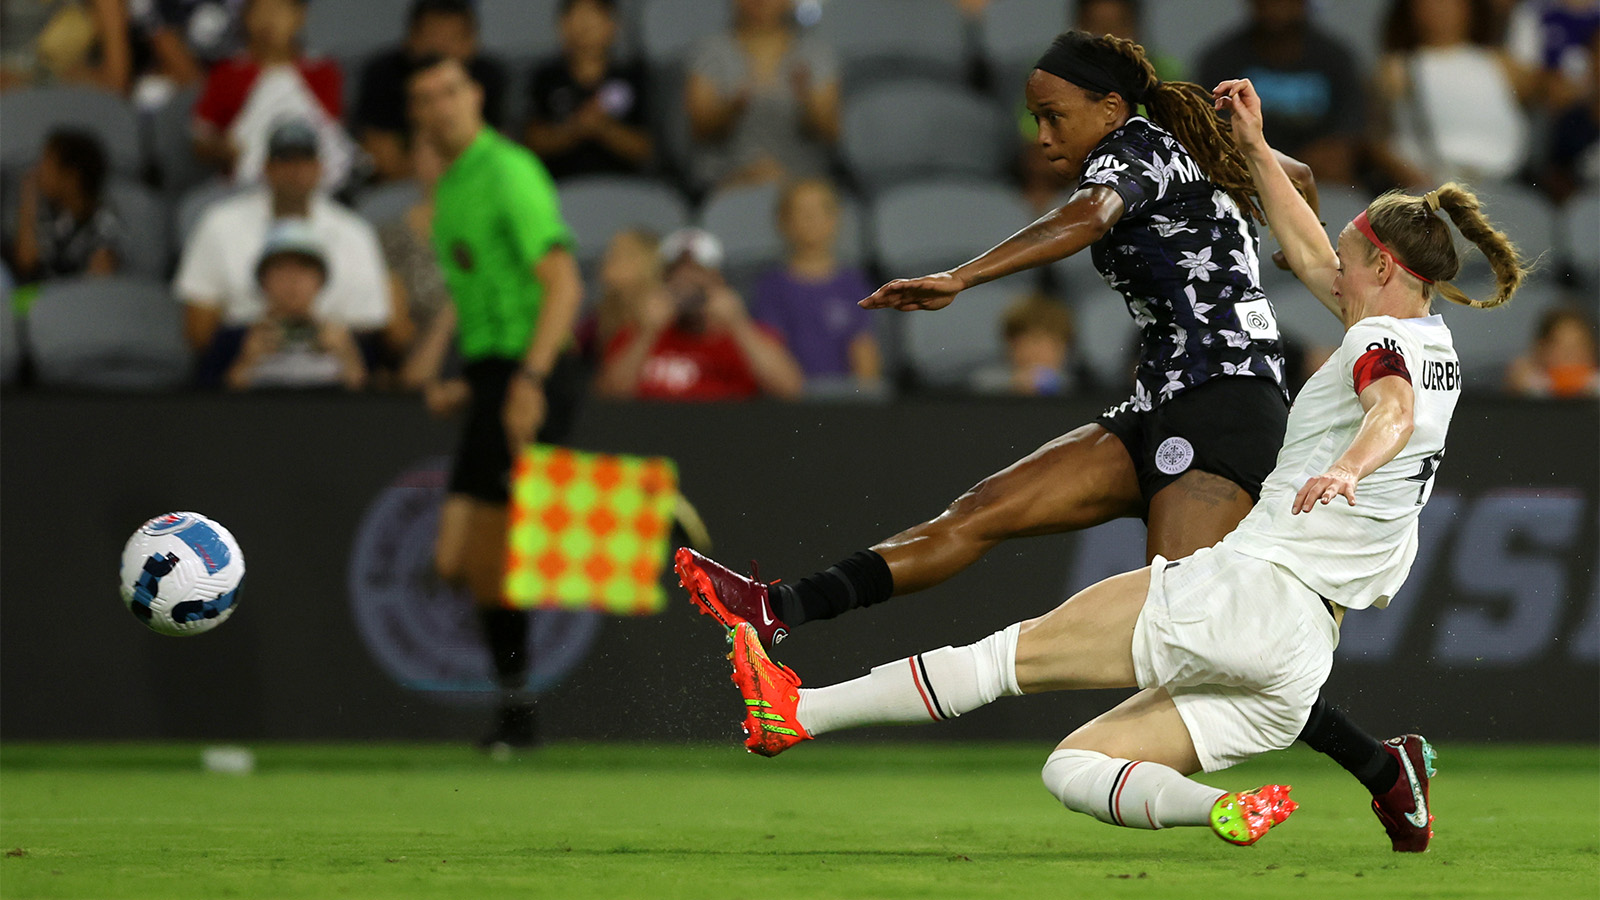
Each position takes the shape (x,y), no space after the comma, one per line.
(225,193)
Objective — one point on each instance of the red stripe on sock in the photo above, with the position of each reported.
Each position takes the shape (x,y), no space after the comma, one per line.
(932,713)
(1116,799)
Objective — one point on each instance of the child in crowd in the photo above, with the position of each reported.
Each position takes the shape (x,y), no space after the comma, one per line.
(1562,361)
(587,107)
(629,275)
(810,301)
(1038,334)
(64,226)
(291,347)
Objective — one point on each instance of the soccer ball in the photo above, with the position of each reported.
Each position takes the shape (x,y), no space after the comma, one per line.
(181,574)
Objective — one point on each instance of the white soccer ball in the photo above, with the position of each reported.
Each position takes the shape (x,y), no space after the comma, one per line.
(181,574)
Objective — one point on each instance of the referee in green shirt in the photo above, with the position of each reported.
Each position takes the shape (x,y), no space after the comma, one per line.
(507,260)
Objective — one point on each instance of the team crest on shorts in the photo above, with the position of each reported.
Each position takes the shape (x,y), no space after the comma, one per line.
(1174,455)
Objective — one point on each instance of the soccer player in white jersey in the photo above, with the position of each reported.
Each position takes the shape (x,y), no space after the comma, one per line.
(1229,646)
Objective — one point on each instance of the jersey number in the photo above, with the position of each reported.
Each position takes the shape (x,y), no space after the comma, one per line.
(1430,467)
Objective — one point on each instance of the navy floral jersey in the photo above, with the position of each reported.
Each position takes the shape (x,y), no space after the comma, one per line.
(1185,258)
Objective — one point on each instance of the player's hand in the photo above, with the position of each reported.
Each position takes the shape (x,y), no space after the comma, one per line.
(927,292)
(523,412)
(1323,488)
(1237,97)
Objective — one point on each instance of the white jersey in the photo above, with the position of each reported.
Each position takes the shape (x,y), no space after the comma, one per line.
(1357,556)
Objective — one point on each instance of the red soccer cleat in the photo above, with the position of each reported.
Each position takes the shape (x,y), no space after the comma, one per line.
(1243,817)
(727,596)
(771,694)
(1403,809)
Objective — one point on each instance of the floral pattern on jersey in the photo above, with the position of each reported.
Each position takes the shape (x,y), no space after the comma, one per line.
(1183,256)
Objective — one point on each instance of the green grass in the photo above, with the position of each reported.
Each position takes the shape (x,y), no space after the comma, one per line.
(853,820)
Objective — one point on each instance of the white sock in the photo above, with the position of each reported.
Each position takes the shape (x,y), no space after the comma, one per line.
(1132,793)
(929,687)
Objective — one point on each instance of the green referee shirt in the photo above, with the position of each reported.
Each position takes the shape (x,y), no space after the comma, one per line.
(495,216)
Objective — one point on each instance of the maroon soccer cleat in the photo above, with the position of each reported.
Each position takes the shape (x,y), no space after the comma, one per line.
(1403,809)
(729,597)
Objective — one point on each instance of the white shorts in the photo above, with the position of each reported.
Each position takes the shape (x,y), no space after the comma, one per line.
(1241,644)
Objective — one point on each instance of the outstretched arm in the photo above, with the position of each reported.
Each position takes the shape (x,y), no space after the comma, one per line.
(1085,218)
(1384,432)
(1294,222)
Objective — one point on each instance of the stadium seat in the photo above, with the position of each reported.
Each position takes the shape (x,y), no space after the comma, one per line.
(1358,24)
(192,206)
(1106,341)
(883,40)
(149,227)
(746,219)
(1486,340)
(1579,231)
(387,202)
(29,115)
(170,139)
(352,30)
(846,389)
(669,28)
(10,342)
(1012,37)
(598,207)
(518,31)
(944,347)
(108,333)
(929,227)
(1524,214)
(914,130)
(1184,30)
(1338,206)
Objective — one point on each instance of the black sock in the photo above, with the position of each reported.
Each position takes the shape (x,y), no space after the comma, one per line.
(861,580)
(506,633)
(1329,731)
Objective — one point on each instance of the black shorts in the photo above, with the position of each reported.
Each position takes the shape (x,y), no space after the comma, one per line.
(1229,426)
(482,468)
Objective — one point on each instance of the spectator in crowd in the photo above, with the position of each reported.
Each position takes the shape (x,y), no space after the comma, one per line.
(1562,361)
(587,108)
(810,301)
(291,345)
(176,42)
(762,99)
(1559,41)
(1309,83)
(1574,159)
(694,340)
(82,43)
(630,273)
(434,28)
(64,225)
(1448,98)
(416,283)
(1038,332)
(273,80)
(216,276)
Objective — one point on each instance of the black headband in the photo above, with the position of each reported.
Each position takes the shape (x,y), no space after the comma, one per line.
(1076,57)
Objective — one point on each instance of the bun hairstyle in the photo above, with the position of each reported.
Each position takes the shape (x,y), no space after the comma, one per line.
(1106,64)
(1420,241)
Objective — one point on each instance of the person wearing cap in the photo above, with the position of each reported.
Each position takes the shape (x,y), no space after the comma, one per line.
(694,339)
(291,347)
(216,276)
(507,259)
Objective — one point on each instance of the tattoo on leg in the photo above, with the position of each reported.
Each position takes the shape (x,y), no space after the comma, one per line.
(1212,490)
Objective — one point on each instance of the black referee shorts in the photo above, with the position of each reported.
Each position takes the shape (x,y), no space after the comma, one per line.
(482,468)
(1230,426)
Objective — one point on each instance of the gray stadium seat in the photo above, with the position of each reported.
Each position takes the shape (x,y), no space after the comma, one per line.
(669,28)
(1357,23)
(29,115)
(108,333)
(598,207)
(387,202)
(1486,340)
(914,130)
(353,30)
(879,40)
(1012,37)
(149,227)
(1526,216)
(1185,30)
(1337,207)
(518,31)
(192,206)
(944,347)
(1579,231)
(1106,340)
(929,227)
(746,219)
(10,341)
(171,143)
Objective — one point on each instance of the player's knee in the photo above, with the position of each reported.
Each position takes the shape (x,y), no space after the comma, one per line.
(1078,779)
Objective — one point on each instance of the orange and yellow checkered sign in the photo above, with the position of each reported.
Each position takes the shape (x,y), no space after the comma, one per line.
(589,530)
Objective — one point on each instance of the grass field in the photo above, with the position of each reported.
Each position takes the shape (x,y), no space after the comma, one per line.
(894,820)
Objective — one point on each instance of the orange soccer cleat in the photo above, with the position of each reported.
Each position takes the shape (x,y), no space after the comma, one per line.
(771,695)
(1243,817)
